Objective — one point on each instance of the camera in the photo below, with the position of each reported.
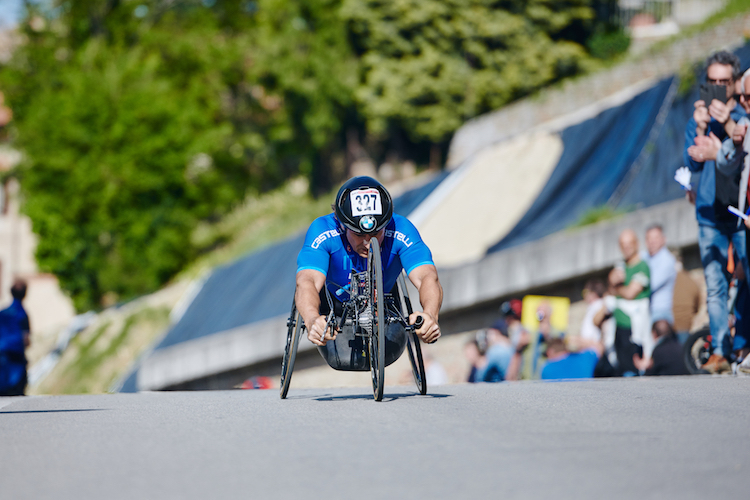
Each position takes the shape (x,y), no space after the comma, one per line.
(709,92)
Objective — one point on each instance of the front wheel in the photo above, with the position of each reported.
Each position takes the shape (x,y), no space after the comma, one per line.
(294,329)
(697,350)
(376,344)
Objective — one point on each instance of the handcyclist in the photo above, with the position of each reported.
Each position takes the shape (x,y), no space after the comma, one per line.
(338,242)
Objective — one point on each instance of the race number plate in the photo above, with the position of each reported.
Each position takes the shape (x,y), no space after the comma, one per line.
(365,202)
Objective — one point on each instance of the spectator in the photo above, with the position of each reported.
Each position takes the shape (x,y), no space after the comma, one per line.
(742,330)
(563,364)
(661,264)
(475,356)
(500,350)
(667,358)
(685,302)
(15,337)
(718,188)
(489,355)
(593,295)
(733,159)
(511,311)
(629,303)
(593,335)
(741,341)
(519,337)
(545,333)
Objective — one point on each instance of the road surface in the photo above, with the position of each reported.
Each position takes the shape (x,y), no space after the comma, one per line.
(682,438)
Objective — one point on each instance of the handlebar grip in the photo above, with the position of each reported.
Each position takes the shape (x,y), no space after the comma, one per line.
(419,322)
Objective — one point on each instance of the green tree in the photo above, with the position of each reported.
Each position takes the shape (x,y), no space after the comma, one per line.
(127,131)
(428,65)
(120,173)
(304,57)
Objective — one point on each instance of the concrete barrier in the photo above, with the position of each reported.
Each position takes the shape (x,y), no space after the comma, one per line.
(561,256)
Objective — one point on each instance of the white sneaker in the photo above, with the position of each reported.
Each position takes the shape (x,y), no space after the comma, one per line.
(744,367)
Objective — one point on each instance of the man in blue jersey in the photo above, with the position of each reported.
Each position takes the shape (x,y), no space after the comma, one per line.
(337,243)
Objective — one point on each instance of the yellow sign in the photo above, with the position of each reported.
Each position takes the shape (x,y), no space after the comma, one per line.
(535,306)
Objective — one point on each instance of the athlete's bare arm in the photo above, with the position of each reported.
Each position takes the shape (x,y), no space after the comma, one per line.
(307,298)
(425,278)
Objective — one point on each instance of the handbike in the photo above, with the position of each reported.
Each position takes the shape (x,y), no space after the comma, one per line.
(366,318)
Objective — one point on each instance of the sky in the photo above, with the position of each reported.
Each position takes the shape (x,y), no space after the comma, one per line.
(10,12)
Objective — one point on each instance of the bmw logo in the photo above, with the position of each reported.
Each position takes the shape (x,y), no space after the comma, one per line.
(367,223)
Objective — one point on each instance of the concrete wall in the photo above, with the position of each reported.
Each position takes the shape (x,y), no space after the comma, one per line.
(561,256)
(555,259)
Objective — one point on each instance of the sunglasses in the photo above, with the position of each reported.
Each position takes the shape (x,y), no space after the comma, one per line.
(718,82)
(737,97)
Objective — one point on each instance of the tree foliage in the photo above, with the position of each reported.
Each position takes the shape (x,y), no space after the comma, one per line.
(140,119)
(431,64)
(137,124)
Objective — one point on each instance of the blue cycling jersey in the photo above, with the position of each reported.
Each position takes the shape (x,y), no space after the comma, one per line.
(327,250)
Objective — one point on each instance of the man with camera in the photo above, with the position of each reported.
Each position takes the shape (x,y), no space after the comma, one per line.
(717,190)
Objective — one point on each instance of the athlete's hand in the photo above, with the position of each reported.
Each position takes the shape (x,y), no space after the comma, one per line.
(318,333)
(430,330)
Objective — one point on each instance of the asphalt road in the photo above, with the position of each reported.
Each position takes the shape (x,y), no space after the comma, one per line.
(679,438)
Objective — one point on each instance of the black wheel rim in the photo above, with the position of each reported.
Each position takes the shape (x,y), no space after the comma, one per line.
(376,343)
(417,363)
(412,341)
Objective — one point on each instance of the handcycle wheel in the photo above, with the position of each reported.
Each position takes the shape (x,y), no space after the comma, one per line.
(697,350)
(413,346)
(294,329)
(376,342)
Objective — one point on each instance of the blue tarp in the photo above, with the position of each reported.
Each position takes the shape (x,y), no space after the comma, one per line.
(614,159)
(256,287)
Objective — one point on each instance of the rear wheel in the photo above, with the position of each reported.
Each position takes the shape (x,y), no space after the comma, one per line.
(417,363)
(376,344)
(413,346)
(697,350)
(294,329)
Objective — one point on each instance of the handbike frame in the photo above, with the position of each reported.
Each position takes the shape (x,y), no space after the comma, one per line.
(370,311)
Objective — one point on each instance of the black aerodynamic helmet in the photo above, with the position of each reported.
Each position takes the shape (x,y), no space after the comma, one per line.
(363,205)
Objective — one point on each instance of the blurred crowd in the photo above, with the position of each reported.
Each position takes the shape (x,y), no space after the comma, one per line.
(639,322)
(635,324)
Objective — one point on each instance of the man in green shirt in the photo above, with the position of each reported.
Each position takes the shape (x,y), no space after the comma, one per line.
(630,290)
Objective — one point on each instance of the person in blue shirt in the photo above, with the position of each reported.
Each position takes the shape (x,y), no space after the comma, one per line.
(14,339)
(662,265)
(562,364)
(716,191)
(338,242)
